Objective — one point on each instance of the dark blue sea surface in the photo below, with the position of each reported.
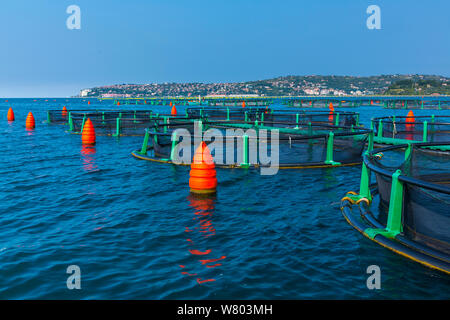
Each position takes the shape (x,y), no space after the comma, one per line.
(136,232)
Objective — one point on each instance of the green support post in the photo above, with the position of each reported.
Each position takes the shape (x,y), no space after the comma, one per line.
(228,113)
(117,134)
(296,120)
(174,144)
(165,122)
(380,129)
(394,220)
(425,131)
(245,163)
(370,142)
(82,124)
(336,123)
(364,186)
(48,117)
(145,143)
(330,149)
(70,122)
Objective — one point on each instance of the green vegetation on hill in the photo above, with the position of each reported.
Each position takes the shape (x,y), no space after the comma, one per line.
(418,87)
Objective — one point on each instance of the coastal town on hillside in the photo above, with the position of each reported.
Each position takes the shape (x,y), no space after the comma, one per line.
(285,86)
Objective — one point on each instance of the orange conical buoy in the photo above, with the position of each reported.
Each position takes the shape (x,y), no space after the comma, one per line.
(243,104)
(330,106)
(88,134)
(170,104)
(89,102)
(10,115)
(64,112)
(173,112)
(29,122)
(409,125)
(203,173)
(410,117)
(118,103)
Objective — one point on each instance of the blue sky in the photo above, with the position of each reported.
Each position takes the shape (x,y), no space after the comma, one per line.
(146,41)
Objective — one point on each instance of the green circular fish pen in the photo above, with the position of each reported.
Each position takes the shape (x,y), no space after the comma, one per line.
(244,138)
(399,130)
(412,192)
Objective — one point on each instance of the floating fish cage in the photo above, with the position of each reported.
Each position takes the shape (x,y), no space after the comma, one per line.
(415,104)
(117,123)
(399,130)
(241,144)
(268,116)
(407,210)
(59,116)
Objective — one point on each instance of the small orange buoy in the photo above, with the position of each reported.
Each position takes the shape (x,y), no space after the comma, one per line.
(410,117)
(173,111)
(118,103)
(330,106)
(88,134)
(203,173)
(243,104)
(89,102)
(29,122)
(64,112)
(409,126)
(10,115)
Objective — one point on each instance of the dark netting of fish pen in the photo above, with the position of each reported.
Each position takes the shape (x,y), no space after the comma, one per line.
(232,114)
(117,122)
(413,194)
(58,116)
(425,179)
(280,118)
(417,128)
(235,144)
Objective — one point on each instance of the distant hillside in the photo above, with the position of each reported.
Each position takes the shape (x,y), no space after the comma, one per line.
(286,86)
(419,87)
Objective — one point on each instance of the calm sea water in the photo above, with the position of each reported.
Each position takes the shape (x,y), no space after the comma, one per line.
(136,233)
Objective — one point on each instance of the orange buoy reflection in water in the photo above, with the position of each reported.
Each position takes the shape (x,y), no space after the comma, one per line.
(197,239)
(88,152)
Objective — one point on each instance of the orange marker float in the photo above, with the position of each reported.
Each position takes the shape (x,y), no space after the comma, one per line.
(29,122)
(409,126)
(10,115)
(331,115)
(410,117)
(243,104)
(203,173)
(64,112)
(173,111)
(88,134)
